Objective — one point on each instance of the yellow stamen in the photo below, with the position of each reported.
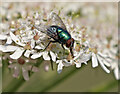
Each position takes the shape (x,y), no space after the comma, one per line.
(27,46)
(36,37)
(77,47)
(17,32)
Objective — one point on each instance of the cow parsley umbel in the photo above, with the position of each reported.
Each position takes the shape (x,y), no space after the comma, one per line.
(48,35)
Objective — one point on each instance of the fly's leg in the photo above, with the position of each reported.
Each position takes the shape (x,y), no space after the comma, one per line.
(46,48)
(71,51)
(63,49)
(49,44)
(62,46)
(51,64)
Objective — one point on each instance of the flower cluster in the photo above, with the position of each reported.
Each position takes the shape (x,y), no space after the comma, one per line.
(24,41)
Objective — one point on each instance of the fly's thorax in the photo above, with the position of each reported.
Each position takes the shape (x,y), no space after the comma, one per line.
(63,34)
(58,34)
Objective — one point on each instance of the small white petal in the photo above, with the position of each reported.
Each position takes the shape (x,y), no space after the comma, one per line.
(27,53)
(77,56)
(36,55)
(53,56)
(3,37)
(103,55)
(60,66)
(85,63)
(32,43)
(46,56)
(16,39)
(17,53)
(106,63)
(58,61)
(27,60)
(25,74)
(116,73)
(66,63)
(78,65)
(94,60)
(102,65)
(9,40)
(85,57)
(39,47)
(8,48)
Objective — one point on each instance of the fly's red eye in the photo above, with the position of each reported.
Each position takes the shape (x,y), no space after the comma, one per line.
(70,43)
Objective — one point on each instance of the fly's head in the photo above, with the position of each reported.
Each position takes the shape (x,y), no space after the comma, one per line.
(52,29)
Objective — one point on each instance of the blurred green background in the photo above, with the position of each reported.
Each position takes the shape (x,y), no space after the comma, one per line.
(85,79)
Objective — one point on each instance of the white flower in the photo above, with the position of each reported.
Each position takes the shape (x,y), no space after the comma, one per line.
(16,39)
(23,66)
(3,37)
(17,53)
(21,38)
(8,48)
(53,55)
(27,53)
(116,70)
(101,61)
(18,50)
(82,57)
(45,55)
(61,64)
(98,58)
(94,60)
(6,37)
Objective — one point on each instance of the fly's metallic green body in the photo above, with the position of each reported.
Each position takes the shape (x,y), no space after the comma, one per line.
(58,32)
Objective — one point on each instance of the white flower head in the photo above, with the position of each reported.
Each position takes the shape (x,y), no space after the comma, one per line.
(27,37)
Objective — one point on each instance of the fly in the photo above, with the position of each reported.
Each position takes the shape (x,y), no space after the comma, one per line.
(58,32)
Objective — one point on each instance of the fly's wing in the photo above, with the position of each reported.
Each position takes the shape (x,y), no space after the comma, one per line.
(53,18)
(42,28)
(52,33)
(47,30)
(57,20)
